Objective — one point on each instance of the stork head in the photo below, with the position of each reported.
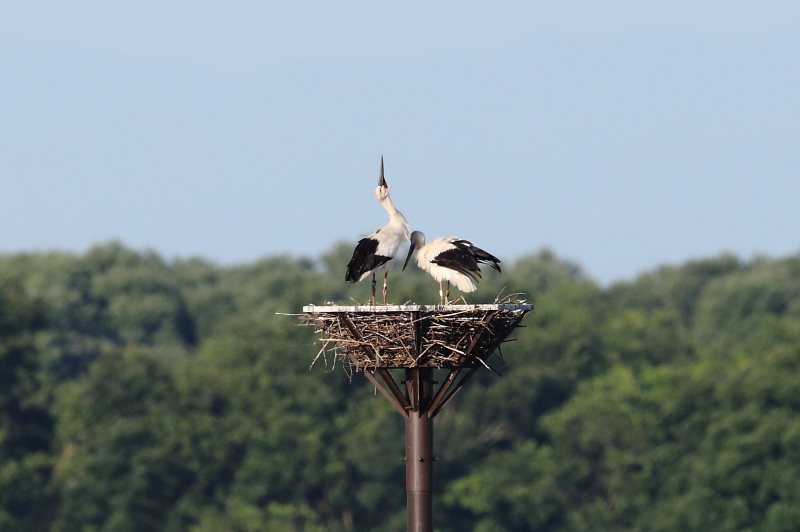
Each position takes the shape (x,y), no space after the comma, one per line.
(382,192)
(417,241)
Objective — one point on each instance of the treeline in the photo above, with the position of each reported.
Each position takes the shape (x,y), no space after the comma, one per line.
(138,394)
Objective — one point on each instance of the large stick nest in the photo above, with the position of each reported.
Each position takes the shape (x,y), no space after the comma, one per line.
(438,337)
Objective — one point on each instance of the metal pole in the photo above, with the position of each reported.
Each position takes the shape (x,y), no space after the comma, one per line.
(419,452)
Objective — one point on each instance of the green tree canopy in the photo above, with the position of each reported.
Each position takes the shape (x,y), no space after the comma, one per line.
(139,394)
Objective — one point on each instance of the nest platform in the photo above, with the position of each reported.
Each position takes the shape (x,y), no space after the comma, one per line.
(414,336)
(416,339)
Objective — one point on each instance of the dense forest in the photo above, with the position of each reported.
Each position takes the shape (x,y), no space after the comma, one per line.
(141,394)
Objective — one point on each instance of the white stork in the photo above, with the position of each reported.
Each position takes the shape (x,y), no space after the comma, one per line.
(450,259)
(375,253)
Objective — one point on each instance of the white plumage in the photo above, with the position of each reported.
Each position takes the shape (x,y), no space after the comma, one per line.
(375,252)
(450,259)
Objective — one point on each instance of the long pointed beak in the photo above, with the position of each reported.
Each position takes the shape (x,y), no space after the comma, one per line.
(410,251)
(381,179)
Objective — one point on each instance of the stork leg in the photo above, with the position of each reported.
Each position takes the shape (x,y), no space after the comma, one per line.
(447,294)
(441,294)
(385,282)
(373,289)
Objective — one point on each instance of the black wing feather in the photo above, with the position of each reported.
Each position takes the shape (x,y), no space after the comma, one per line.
(364,259)
(484,257)
(465,257)
(456,259)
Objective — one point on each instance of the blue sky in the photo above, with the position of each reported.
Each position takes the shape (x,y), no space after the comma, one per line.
(622,135)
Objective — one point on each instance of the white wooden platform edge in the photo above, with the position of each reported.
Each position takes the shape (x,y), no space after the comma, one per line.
(411,308)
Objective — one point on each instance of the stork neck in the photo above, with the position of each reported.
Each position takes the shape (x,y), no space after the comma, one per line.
(396,217)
